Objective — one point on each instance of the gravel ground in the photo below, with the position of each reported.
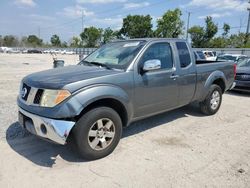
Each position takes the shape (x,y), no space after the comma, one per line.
(181,148)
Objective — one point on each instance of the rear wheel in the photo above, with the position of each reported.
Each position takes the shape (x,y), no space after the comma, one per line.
(212,103)
(97,133)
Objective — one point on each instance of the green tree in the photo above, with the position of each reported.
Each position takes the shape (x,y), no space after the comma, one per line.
(210,30)
(75,42)
(226,29)
(55,41)
(239,41)
(219,42)
(197,36)
(10,41)
(91,36)
(34,41)
(24,41)
(109,35)
(201,37)
(64,44)
(170,25)
(137,26)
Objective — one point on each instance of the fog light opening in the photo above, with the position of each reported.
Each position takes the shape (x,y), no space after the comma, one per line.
(43,129)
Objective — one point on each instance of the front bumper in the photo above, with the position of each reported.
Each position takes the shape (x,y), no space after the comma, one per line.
(54,130)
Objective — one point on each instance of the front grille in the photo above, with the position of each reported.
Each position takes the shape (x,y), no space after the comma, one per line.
(25,92)
(38,96)
(30,95)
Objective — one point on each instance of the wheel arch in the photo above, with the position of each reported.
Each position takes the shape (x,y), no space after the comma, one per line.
(115,104)
(218,78)
(105,95)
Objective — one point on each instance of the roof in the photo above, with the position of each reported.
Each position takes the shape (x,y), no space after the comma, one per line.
(154,39)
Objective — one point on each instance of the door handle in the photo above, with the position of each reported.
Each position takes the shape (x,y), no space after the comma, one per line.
(174,77)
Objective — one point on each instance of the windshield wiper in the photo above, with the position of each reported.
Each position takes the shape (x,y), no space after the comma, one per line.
(97,64)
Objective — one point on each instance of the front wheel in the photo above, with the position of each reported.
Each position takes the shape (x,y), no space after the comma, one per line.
(212,103)
(97,133)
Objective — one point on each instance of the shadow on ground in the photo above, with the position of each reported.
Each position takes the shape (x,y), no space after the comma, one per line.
(44,153)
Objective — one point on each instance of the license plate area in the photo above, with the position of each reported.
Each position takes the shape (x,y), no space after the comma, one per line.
(26,123)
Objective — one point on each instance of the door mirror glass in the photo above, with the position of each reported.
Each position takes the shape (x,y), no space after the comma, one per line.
(151,65)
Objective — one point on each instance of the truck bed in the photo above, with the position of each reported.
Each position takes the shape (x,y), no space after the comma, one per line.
(206,68)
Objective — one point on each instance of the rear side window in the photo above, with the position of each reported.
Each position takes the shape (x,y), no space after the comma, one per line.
(184,55)
(160,51)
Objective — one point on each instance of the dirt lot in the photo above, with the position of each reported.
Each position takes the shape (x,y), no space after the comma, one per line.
(181,148)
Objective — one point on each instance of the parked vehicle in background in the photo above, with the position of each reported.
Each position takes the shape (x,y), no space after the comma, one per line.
(199,55)
(231,57)
(210,55)
(34,51)
(6,49)
(119,83)
(47,51)
(13,51)
(242,79)
(67,52)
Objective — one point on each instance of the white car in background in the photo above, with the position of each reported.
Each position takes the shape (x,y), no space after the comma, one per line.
(5,49)
(210,55)
(66,52)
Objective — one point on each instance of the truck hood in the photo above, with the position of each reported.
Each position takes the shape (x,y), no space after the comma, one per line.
(58,78)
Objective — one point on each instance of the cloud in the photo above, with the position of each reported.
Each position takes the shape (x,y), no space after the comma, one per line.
(109,21)
(216,15)
(136,5)
(41,17)
(75,12)
(101,1)
(29,3)
(220,5)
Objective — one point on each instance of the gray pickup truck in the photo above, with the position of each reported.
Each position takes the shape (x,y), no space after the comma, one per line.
(119,83)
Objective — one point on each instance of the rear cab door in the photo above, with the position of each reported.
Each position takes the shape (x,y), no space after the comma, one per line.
(186,71)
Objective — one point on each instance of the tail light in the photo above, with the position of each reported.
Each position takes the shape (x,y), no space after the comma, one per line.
(235,67)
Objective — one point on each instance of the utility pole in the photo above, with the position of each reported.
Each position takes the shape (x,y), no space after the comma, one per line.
(82,20)
(248,22)
(240,25)
(248,25)
(189,13)
(39,32)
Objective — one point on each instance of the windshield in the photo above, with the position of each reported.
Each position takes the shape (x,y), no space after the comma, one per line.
(116,55)
(244,63)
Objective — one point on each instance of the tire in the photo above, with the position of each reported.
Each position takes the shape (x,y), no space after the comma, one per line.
(97,133)
(212,103)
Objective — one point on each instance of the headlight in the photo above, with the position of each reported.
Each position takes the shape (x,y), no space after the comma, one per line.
(52,98)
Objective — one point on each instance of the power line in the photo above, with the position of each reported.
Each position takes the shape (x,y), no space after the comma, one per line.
(103,12)
(234,27)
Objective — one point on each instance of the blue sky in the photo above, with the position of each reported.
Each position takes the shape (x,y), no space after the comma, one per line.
(63,17)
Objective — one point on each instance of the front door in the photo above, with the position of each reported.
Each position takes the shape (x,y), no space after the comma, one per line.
(156,90)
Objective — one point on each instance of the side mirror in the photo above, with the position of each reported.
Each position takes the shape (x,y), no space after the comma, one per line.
(150,65)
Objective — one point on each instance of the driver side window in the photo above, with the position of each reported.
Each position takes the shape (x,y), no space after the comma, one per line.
(159,51)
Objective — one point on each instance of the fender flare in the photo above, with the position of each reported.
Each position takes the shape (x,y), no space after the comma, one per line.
(80,100)
(210,80)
